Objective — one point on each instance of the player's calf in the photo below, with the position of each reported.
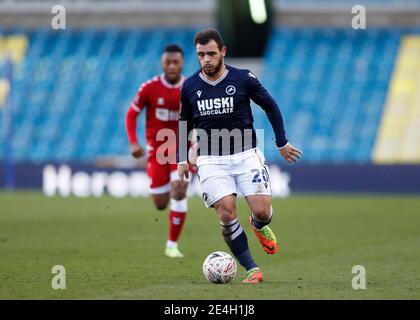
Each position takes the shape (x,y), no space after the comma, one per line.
(177,216)
(261,218)
(178,190)
(261,209)
(233,233)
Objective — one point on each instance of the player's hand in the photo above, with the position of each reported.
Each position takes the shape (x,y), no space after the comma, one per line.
(290,153)
(136,150)
(184,171)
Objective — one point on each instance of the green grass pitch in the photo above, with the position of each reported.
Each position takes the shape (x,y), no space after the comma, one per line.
(113,249)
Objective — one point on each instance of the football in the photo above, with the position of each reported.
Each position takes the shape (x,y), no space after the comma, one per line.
(219,267)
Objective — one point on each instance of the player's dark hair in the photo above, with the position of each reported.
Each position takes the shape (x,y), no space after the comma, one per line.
(174,48)
(205,36)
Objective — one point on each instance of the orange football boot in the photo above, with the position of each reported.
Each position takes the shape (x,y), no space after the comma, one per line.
(253,276)
(267,238)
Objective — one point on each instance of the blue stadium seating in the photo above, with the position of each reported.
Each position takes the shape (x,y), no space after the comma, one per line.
(72,90)
(331,85)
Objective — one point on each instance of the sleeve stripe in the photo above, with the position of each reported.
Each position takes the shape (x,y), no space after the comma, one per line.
(287,144)
(135,108)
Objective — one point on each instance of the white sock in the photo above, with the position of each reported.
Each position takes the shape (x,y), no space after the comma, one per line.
(171,244)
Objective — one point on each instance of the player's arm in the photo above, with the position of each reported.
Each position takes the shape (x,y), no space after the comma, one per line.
(133,112)
(185,127)
(261,97)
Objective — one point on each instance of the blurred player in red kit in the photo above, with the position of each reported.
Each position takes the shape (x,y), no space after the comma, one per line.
(160,97)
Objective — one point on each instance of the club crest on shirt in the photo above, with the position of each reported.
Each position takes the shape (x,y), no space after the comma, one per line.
(230,90)
(161,101)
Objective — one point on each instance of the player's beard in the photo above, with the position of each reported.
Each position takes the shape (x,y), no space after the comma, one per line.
(216,68)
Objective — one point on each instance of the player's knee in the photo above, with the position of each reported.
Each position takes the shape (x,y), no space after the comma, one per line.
(262,213)
(226,211)
(226,216)
(161,201)
(178,191)
(161,204)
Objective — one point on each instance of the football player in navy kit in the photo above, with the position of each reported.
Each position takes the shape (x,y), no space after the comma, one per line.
(215,101)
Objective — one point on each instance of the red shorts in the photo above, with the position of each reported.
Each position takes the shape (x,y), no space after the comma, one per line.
(161,175)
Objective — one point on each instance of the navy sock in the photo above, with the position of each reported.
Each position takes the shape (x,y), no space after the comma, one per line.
(237,241)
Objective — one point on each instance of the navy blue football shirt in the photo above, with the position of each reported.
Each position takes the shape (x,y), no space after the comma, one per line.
(211,106)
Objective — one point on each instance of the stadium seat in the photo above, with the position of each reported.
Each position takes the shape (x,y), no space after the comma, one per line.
(72,89)
(331,85)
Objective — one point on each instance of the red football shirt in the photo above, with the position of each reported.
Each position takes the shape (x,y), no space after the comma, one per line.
(162,103)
